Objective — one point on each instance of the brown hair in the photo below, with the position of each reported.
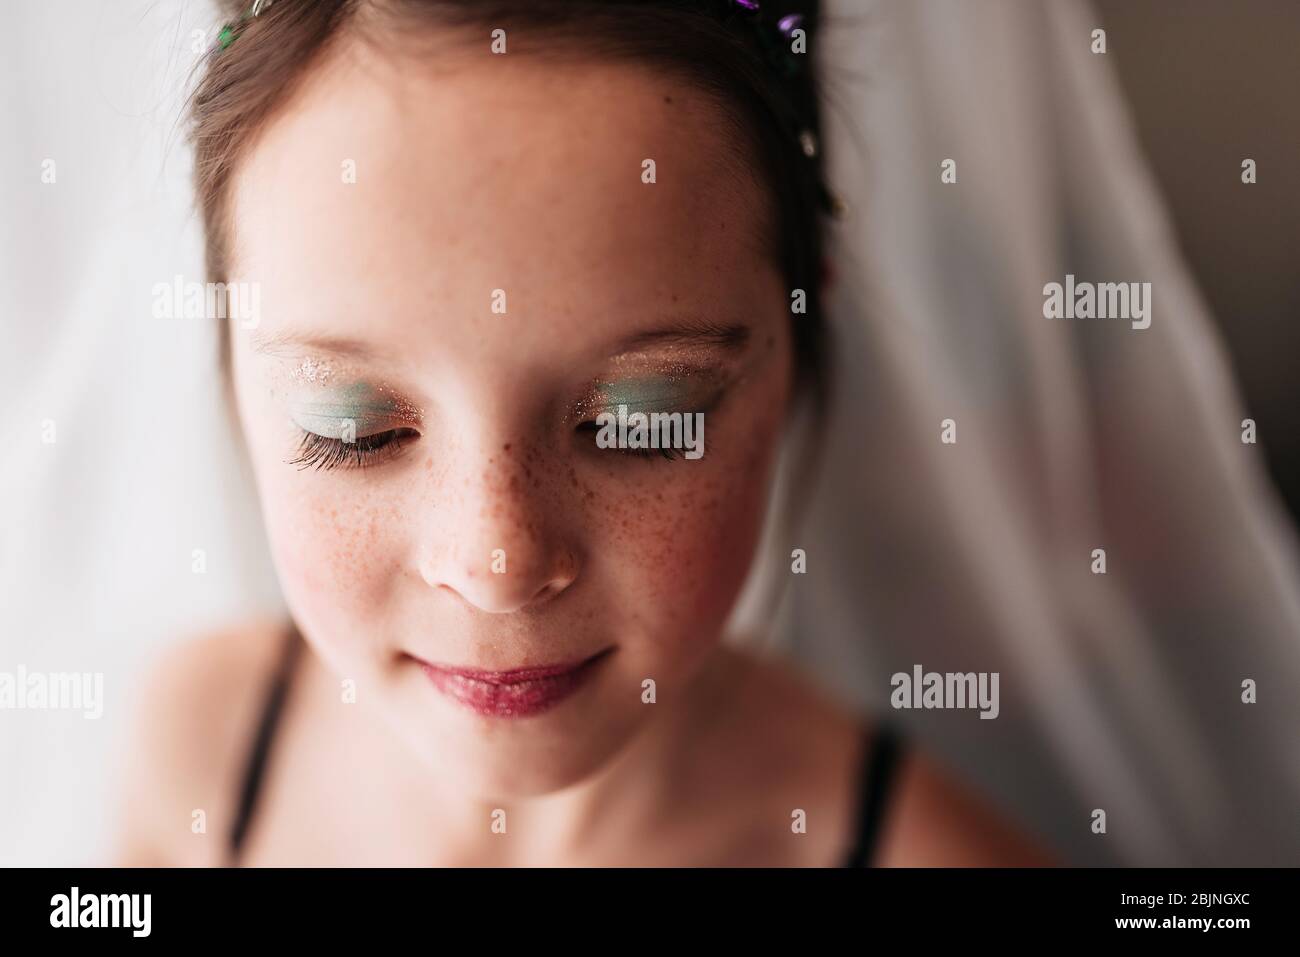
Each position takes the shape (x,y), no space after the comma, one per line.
(714,44)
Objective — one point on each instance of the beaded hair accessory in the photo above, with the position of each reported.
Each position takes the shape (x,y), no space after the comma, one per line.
(775,36)
(230,32)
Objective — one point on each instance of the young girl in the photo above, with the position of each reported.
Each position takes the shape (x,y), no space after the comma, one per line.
(483,232)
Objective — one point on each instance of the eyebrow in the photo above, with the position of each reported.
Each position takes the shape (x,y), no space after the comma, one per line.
(686,332)
(290,344)
(689,332)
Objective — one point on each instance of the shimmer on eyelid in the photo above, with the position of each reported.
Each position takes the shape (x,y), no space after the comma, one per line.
(654,394)
(310,370)
(367,407)
(681,391)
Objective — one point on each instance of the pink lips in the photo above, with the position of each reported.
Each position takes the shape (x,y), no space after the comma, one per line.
(517,693)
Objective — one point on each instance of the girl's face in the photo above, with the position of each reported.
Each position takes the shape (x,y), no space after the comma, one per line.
(460,268)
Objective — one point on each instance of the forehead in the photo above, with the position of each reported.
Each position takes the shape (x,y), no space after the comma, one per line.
(392,190)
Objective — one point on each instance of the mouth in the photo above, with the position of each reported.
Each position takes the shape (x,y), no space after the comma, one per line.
(517,693)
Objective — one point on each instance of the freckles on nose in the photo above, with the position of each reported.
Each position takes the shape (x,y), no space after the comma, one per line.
(512,490)
(500,544)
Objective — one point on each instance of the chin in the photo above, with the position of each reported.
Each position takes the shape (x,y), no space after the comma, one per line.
(515,757)
(497,769)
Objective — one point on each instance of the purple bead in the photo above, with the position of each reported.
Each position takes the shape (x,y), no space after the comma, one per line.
(789,22)
(747,4)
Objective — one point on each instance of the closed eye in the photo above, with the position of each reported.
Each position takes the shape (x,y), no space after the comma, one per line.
(650,453)
(321,452)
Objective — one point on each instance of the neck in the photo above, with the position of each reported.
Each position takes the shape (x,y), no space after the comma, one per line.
(606,818)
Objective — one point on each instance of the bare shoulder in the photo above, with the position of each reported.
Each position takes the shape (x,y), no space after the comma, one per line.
(936,821)
(810,748)
(192,714)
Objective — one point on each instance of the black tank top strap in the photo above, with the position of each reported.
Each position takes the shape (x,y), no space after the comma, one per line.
(883,757)
(259,753)
(877,777)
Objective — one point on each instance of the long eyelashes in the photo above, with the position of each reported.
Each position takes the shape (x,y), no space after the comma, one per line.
(320,452)
(664,451)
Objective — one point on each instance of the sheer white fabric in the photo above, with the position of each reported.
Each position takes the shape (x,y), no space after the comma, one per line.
(1120,691)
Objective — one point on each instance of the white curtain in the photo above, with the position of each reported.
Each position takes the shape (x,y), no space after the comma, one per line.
(134,526)
(1119,691)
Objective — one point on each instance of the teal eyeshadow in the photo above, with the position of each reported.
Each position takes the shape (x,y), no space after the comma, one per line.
(360,403)
(654,395)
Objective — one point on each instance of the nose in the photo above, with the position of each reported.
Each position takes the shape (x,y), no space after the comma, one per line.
(498,543)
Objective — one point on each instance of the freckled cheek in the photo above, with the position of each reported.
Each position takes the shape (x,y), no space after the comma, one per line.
(338,555)
(335,542)
(687,551)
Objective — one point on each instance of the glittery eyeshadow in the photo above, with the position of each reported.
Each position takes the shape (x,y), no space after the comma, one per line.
(312,370)
(653,394)
(368,407)
(672,388)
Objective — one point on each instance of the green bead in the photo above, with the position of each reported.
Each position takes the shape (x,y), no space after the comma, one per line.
(226,36)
